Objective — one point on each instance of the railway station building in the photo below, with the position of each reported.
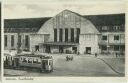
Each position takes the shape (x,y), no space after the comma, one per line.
(67,32)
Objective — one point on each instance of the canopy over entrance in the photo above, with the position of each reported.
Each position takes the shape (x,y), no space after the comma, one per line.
(60,43)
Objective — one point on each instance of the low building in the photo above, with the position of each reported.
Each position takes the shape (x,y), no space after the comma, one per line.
(67,32)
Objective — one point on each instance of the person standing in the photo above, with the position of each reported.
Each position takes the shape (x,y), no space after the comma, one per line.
(116,55)
(95,54)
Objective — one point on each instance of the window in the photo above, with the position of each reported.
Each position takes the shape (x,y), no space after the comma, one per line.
(66,35)
(24,60)
(78,24)
(55,35)
(19,41)
(104,28)
(12,40)
(19,38)
(116,28)
(5,40)
(116,48)
(116,37)
(36,61)
(104,47)
(21,59)
(104,37)
(27,41)
(29,60)
(72,35)
(122,47)
(61,35)
(77,35)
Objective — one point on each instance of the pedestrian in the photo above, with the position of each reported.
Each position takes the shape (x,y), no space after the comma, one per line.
(67,58)
(116,55)
(71,57)
(95,54)
(78,53)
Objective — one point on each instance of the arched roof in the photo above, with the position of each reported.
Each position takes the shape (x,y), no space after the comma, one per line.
(68,19)
(34,24)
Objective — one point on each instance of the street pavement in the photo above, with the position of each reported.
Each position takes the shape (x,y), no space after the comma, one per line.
(81,65)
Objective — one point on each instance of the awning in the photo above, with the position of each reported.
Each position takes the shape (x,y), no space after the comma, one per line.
(60,43)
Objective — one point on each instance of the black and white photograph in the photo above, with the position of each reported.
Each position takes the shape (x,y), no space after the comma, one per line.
(0,40)
(72,40)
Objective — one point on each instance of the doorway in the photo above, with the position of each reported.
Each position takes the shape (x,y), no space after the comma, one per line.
(88,50)
(48,49)
(61,49)
(74,49)
(37,48)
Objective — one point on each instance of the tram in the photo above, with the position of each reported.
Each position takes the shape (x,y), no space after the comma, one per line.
(42,62)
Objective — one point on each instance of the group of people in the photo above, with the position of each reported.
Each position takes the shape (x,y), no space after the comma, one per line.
(69,58)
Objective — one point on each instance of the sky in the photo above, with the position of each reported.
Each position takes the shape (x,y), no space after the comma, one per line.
(14,10)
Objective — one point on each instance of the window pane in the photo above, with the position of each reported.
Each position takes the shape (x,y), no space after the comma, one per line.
(55,35)
(104,47)
(116,48)
(116,37)
(19,38)
(72,35)
(27,41)
(77,35)
(19,41)
(104,28)
(66,35)
(61,35)
(104,37)
(5,40)
(12,40)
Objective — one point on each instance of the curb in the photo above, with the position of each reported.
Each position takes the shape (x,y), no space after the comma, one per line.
(111,66)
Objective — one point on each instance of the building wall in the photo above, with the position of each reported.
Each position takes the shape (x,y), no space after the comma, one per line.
(89,40)
(67,20)
(9,41)
(9,47)
(111,43)
(36,39)
(110,37)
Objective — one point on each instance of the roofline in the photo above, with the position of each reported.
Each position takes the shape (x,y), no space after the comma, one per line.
(60,12)
(27,18)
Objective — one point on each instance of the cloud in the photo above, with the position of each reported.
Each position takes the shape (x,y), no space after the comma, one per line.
(51,9)
(19,11)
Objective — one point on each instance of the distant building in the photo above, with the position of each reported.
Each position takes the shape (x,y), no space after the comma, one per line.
(67,32)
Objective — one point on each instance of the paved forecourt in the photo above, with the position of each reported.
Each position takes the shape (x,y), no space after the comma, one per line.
(81,65)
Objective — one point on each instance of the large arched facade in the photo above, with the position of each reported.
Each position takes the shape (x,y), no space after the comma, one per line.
(67,32)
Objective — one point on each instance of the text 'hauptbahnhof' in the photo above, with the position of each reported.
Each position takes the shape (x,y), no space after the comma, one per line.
(67,32)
